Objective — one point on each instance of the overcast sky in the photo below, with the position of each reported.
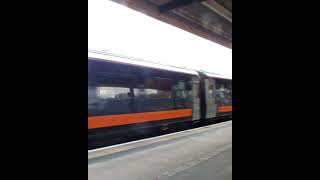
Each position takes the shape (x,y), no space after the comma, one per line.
(124,31)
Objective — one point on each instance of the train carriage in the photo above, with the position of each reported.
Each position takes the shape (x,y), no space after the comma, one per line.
(131,97)
(128,96)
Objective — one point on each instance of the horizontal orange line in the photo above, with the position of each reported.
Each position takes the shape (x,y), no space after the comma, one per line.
(123,119)
(225,109)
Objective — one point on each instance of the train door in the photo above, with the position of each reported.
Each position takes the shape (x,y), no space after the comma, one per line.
(195,98)
(211,107)
(229,86)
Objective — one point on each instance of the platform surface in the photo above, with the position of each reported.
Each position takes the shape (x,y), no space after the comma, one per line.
(202,153)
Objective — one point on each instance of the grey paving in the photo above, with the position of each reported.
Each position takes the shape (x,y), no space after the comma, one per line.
(204,153)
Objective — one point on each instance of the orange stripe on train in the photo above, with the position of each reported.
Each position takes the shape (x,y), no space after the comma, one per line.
(123,119)
(225,109)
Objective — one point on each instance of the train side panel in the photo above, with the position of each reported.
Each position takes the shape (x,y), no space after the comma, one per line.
(125,99)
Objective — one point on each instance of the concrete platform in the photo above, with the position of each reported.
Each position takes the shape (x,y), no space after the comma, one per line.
(202,153)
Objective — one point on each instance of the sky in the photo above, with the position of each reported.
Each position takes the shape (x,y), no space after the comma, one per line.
(121,30)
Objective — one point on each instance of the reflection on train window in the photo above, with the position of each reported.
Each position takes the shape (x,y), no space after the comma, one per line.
(211,91)
(158,94)
(109,94)
(223,94)
(135,91)
(183,94)
(108,100)
(180,90)
(151,93)
(113,93)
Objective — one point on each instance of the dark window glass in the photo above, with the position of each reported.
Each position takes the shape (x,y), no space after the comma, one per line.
(159,94)
(109,95)
(153,94)
(120,89)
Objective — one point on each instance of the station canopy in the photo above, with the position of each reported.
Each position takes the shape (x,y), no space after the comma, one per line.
(210,19)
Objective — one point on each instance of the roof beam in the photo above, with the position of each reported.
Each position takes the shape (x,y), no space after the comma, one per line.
(173,5)
(219,9)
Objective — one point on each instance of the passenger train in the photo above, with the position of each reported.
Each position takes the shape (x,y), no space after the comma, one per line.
(128,96)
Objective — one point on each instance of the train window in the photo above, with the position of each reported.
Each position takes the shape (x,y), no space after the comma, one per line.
(181,90)
(109,94)
(92,100)
(114,80)
(153,94)
(113,93)
(141,93)
(108,100)
(223,93)
(211,91)
(183,94)
(153,88)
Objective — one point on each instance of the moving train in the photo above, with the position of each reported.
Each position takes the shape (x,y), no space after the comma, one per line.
(128,96)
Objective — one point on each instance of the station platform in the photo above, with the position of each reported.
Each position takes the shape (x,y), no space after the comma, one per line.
(201,153)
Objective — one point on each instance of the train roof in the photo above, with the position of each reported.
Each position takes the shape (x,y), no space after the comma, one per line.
(219,76)
(105,56)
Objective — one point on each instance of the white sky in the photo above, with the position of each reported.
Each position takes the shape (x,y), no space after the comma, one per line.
(124,31)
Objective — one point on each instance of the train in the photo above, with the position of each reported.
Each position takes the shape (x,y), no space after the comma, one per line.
(129,96)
